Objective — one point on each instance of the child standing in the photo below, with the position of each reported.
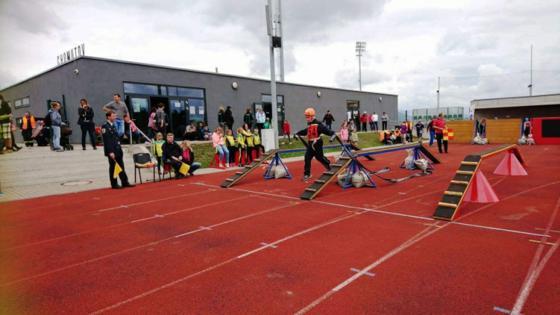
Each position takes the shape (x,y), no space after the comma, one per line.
(344,132)
(257,143)
(287,130)
(248,142)
(157,150)
(241,147)
(188,157)
(219,144)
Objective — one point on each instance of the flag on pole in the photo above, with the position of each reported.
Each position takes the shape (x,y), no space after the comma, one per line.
(117,170)
(184,169)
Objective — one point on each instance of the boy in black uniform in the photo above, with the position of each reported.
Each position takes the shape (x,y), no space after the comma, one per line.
(173,155)
(315,144)
(113,151)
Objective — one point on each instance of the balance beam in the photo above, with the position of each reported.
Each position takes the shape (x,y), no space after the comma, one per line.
(452,199)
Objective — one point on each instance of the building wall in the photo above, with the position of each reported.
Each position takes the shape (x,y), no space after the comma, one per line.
(518,112)
(98,79)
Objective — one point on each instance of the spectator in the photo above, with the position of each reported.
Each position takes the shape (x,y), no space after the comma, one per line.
(28,123)
(218,142)
(172,154)
(287,130)
(257,143)
(439,125)
(409,130)
(431,132)
(328,119)
(397,135)
(120,109)
(228,117)
(157,149)
(250,145)
(374,120)
(204,131)
(384,120)
(370,122)
(188,157)
(152,129)
(482,128)
(344,132)
(5,132)
(267,124)
(132,129)
(231,146)
(351,127)
(419,129)
(364,121)
(13,129)
(404,131)
(56,123)
(261,119)
(242,147)
(161,118)
(357,123)
(248,118)
(191,133)
(85,120)
(221,117)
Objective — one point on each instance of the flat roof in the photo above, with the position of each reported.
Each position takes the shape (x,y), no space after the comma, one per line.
(188,70)
(517,101)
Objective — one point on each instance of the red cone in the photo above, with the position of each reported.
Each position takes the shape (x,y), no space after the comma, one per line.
(480,190)
(510,166)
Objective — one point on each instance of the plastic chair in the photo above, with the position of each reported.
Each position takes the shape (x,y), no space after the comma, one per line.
(143,161)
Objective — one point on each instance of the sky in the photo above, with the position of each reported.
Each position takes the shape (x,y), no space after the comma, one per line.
(479,49)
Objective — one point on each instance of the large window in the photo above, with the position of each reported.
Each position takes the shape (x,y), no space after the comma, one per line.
(196,109)
(135,88)
(22,102)
(189,92)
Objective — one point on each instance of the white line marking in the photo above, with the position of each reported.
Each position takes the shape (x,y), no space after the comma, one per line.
(268,245)
(501,310)
(205,228)
(551,231)
(151,201)
(359,270)
(535,269)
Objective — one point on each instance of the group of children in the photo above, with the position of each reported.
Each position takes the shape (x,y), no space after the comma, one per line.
(186,155)
(246,143)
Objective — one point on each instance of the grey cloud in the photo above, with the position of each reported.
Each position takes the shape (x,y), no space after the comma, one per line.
(32,16)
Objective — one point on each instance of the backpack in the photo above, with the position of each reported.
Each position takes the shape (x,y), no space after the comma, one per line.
(47,120)
(160,117)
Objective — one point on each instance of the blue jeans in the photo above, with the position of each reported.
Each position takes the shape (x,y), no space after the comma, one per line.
(119,124)
(56,137)
(222,150)
(432,136)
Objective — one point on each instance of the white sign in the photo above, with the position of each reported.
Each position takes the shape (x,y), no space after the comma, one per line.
(71,54)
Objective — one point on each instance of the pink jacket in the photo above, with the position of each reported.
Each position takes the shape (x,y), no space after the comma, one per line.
(217,140)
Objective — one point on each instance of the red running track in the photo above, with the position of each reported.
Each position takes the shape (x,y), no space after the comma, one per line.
(189,246)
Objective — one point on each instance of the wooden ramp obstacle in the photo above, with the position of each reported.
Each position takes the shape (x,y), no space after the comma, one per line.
(239,175)
(340,165)
(454,195)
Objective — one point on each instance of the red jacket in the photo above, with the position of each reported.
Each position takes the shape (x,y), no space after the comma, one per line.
(286,128)
(364,118)
(438,124)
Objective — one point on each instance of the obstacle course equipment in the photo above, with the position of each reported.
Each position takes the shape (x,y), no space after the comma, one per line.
(467,182)
(239,175)
(349,160)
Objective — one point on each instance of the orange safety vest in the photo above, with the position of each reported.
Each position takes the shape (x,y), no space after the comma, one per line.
(312,132)
(24,122)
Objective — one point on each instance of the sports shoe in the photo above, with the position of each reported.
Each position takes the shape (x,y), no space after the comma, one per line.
(227,164)
(306,177)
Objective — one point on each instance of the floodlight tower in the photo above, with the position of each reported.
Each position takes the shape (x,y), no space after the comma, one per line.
(275,41)
(360,49)
(530,86)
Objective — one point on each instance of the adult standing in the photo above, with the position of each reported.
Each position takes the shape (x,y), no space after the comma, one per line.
(161,118)
(261,119)
(56,123)
(364,120)
(221,117)
(375,120)
(28,123)
(419,128)
(119,108)
(370,122)
(431,131)
(248,118)
(384,121)
(5,131)
(113,151)
(152,129)
(85,120)
(439,125)
(228,117)
(328,119)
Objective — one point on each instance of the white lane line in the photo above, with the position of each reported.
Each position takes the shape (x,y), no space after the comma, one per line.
(369,274)
(501,310)
(535,269)
(152,243)
(134,204)
(485,227)
(268,245)
(551,231)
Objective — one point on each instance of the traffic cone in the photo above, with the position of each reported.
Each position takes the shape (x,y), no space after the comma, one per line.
(510,166)
(480,190)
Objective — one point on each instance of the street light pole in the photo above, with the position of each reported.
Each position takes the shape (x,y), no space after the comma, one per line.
(360,48)
(271,34)
(437,95)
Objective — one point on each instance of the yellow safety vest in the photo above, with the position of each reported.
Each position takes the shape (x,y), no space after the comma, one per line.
(240,140)
(256,139)
(230,140)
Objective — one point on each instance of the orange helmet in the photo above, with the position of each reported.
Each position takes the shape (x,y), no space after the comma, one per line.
(309,112)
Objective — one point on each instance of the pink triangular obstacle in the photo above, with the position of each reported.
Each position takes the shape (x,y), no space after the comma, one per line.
(510,166)
(480,190)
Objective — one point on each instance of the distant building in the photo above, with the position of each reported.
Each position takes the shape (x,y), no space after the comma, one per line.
(449,113)
(517,107)
(188,95)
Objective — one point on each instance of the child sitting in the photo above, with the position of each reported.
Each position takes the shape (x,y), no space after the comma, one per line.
(157,149)
(219,144)
(231,146)
(188,157)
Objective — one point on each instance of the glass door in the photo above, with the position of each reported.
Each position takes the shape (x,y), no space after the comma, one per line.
(139,109)
(178,119)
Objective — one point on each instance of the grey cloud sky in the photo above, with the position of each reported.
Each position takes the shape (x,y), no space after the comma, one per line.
(479,48)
